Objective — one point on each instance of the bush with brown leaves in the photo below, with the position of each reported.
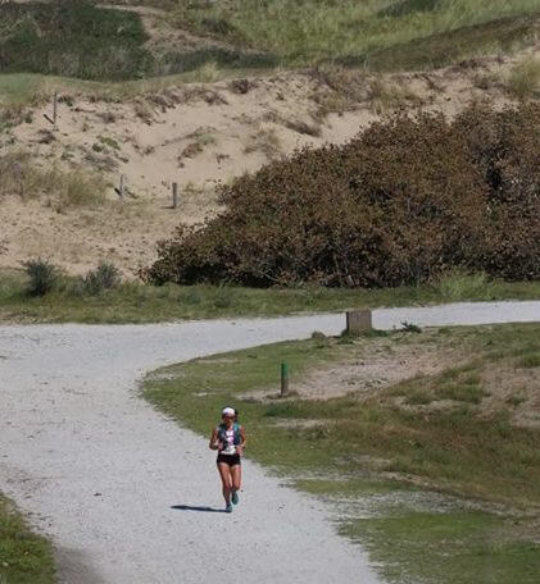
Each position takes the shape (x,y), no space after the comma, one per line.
(401,203)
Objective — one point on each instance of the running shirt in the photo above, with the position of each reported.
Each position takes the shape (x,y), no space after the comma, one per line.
(228,440)
(229,437)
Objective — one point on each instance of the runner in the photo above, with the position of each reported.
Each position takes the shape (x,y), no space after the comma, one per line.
(229,440)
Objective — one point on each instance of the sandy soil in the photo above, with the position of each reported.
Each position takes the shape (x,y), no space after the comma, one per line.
(380,364)
(200,136)
(515,389)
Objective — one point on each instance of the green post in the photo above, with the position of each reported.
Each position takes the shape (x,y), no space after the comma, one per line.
(284,379)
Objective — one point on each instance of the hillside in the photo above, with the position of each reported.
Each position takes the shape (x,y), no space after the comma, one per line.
(208,126)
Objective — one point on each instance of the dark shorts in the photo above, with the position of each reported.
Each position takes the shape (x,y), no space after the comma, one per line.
(230,459)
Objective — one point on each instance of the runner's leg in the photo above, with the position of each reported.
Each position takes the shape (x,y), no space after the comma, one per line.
(236,481)
(226,481)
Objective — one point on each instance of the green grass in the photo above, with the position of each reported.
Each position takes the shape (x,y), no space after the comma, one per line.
(24,557)
(17,88)
(529,361)
(387,458)
(78,39)
(465,388)
(73,39)
(350,487)
(456,449)
(443,48)
(134,302)
(22,89)
(452,548)
(376,33)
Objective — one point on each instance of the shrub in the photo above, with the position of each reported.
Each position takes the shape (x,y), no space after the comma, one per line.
(504,147)
(402,203)
(105,277)
(74,38)
(42,276)
(524,78)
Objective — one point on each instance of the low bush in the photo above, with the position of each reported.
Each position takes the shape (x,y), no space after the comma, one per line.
(524,79)
(402,203)
(42,276)
(504,147)
(105,277)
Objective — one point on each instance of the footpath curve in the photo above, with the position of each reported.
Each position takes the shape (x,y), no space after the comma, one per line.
(99,470)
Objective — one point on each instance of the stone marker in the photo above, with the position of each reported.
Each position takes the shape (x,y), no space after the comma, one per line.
(358,321)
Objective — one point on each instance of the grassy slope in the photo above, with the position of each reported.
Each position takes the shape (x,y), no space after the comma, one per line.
(365,446)
(72,38)
(136,303)
(77,39)
(378,34)
(452,548)
(24,557)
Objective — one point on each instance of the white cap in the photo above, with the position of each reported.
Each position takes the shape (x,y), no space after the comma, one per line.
(228,412)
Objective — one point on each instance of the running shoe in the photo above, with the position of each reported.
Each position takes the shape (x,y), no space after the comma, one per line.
(235,498)
(228,508)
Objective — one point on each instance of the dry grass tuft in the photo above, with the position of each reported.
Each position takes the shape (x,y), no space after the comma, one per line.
(265,141)
(62,189)
(386,97)
(524,79)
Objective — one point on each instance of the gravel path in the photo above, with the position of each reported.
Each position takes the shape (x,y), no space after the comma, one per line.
(100,471)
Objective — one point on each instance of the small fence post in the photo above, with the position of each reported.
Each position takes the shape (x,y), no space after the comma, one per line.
(359,321)
(52,120)
(174,195)
(121,187)
(55,110)
(284,379)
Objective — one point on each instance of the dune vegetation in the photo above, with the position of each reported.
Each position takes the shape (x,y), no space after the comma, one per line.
(88,40)
(399,205)
(378,34)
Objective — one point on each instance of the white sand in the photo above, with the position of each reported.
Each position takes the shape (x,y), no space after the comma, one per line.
(200,136)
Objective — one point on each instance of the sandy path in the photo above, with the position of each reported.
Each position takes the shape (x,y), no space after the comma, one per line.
(99,470)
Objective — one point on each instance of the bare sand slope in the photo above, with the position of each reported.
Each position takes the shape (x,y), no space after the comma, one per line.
(100,471)
(200,135)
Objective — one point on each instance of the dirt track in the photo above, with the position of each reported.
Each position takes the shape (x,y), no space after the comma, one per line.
(100,471)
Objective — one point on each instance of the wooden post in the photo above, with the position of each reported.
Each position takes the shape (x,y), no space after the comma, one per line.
(174,195)
(54,118)
(284,379)
(359,321)
(121,187)
(55,110)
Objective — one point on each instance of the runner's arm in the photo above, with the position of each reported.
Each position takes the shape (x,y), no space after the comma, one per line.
(214,442)
(242,444)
